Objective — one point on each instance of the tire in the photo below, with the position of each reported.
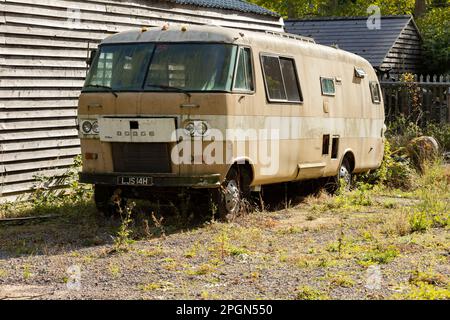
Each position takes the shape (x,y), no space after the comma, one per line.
(345,175)
(231,197)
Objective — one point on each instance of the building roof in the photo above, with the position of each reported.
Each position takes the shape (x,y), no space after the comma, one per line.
(235,5)
(352,34)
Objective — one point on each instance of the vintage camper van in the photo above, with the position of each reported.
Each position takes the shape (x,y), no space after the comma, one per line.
(218,111)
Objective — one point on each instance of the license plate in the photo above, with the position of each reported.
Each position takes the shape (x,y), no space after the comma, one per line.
(135,181)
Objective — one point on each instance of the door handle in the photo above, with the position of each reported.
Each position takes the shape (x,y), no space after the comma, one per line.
(190,106)
(95,106)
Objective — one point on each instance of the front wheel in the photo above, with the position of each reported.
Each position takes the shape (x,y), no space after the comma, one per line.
(108,201)
(231,197)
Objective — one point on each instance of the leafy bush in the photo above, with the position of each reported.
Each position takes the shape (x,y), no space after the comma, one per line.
(419,221)
(401,131)
(434,27)
(424,291)
(379,255)
(433,210)
(395,171)
(309,293)
(441,132)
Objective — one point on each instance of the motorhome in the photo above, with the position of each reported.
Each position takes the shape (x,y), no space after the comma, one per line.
(223,111)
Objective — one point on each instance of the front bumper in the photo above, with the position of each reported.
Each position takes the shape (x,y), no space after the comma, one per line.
(157,180)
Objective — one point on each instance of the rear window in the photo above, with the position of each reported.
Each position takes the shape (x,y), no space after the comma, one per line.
(375,91)
(281,79)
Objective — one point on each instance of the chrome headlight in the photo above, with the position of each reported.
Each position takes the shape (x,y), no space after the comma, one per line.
(86,127)
(89,127)
(196,128)
(95,127)
(190,129)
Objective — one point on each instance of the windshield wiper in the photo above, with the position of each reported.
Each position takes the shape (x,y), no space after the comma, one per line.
(102,87)
(160,86)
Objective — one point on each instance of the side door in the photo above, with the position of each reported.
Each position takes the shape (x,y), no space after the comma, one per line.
(284,99)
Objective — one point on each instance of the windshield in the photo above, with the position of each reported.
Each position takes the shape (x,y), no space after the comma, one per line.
(163,67)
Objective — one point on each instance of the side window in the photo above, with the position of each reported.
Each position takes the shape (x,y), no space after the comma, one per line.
(244,71)
(290,80)
(328,87)
(103,74)
(375,91)
(274,78)
(281,79)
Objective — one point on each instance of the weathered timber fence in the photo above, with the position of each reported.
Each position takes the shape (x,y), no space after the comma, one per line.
(424,97)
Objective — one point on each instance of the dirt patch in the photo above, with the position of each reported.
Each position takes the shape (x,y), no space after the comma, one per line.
(306,221)
(288,254)
(24,292)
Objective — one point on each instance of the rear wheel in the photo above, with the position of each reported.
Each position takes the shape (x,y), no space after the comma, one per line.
(344,178)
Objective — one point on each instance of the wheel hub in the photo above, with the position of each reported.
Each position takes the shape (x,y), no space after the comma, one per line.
(232,197)
(345,175)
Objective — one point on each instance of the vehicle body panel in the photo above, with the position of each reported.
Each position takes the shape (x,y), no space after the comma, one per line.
(349,115)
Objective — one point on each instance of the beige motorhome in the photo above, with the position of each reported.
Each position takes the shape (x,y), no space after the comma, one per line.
(206,109)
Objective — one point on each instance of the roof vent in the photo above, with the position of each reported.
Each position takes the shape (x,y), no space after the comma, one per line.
(360,73)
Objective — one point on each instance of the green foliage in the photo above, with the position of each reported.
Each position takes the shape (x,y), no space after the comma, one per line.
(123,241)
(433,210)
(425,291)
(429,277)
(346,200)
(77,191)
(395,171)
(309,293)
(419,221)
(304,8)
(379,255)
(48,194)
(341,279)
(404,129)
(441,132)
(435,26)
(401,131)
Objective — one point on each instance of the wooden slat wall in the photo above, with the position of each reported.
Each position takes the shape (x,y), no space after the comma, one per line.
(42,69)
(406,54)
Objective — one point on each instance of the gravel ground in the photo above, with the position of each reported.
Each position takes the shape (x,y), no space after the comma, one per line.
(297,253)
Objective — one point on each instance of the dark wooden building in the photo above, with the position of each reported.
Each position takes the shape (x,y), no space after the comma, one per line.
(43,51)
(395,47)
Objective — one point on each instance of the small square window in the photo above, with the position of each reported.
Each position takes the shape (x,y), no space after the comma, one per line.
(328,87)
(375,92)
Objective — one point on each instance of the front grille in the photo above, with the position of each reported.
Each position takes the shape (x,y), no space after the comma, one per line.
(141,157)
